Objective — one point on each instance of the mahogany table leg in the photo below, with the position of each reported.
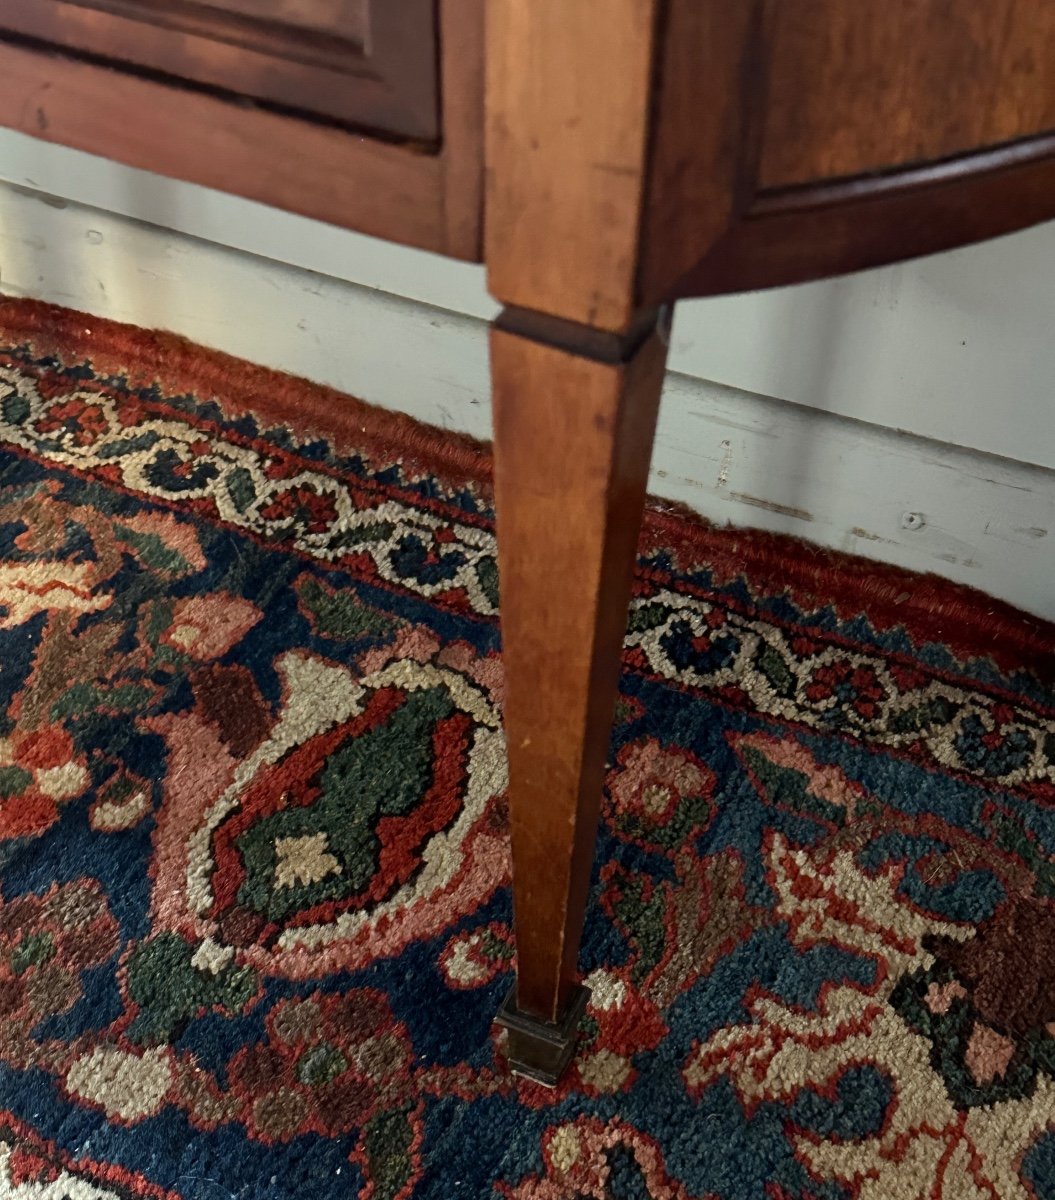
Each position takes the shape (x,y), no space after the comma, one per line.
(574,417)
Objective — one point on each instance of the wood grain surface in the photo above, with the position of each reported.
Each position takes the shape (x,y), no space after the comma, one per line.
(877,84)
(794,139)
(573,439)
(568,102)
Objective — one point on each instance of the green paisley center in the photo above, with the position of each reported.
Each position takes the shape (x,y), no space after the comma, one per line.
(306,855)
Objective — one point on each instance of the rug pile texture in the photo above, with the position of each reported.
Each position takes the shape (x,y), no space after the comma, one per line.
(254,871)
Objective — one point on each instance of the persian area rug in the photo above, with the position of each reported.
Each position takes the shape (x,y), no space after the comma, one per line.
(254,902)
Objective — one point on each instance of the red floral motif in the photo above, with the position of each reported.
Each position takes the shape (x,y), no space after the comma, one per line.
(852,687)
(330,1063)
(40,770)
(80,422)
(302,505)
(628,1023)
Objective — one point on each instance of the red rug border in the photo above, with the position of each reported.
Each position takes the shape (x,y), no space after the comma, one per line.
(930,608)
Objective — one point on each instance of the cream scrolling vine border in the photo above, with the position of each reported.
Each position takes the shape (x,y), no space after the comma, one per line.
(680,638)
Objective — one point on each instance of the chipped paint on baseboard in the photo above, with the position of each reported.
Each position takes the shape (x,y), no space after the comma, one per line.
(727,462)
(868,536)
(785,510)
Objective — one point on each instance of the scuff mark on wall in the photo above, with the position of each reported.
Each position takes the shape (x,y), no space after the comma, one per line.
(868,536)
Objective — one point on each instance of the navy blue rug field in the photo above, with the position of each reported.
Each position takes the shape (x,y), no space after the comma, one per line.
(254,871)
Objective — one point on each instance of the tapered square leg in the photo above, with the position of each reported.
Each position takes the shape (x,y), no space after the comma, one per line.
(573,435)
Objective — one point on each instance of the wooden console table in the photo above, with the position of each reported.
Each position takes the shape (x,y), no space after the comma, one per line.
(604,158)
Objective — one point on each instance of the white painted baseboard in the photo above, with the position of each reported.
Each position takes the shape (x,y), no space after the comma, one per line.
(730,454)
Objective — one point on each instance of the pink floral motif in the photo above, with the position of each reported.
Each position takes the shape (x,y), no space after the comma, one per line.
(329,1064)
(486,670)
(206,627)
(178,537)
(415,643)
(823,781)
(658,793)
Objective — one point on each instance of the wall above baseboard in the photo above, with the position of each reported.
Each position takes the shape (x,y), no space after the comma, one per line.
(733,455)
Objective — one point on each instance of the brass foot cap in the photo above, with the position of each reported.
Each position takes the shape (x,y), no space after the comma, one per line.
(540,1050)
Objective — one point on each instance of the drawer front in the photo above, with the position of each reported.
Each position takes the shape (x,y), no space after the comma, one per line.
(873,85)
(801,138)
(370,64)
